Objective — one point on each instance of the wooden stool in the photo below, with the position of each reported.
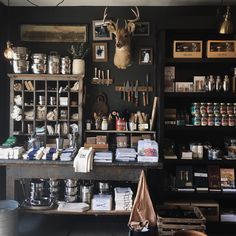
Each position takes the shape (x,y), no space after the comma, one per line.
(188,233)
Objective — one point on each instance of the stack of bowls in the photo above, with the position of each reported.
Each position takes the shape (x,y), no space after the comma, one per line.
(71,190)
(20,57)
(39,61)
(54,189)
(37,190)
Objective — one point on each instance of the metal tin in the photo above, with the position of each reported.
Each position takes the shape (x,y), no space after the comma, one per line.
(224,120)
(231,120)
(216,108)
(223,109)
(210,108)
(217,120)
(197,120)
(86,193)
(211,120)
(195,108)
(204,120)
(203,108)
(54,63)
(230,108)
(20,66)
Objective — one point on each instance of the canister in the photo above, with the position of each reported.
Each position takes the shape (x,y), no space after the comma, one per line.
(54,63)
(39,61)
(86,193)
(65,65)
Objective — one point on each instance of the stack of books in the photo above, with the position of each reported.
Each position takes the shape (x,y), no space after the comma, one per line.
(123,198)
(104,157)
(126,154)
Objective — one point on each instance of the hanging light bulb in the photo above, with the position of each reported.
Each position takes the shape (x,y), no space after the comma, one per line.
(226,26)
(8,53)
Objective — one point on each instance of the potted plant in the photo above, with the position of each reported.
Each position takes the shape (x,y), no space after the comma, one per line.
(78,51)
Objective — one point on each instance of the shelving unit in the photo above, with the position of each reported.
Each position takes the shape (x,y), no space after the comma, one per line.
(53,103)
(185,69)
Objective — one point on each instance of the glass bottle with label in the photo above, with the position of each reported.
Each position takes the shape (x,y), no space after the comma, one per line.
(226,84)
(104,125)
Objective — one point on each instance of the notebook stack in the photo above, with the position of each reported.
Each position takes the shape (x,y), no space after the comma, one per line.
(123,198)
(103,157)
(126,154)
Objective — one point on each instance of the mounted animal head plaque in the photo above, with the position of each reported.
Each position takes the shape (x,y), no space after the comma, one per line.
(122,57)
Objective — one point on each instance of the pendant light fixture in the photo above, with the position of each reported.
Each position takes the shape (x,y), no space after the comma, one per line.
(8,53)
(226,26)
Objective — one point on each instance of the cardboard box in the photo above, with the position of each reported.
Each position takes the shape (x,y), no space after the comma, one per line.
(187,49)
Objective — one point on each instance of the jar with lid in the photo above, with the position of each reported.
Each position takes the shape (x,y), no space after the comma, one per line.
(210,120)
(204,120)
(200,150)
(104,125)
(223,108)
(231,120)
(229,108)
(210,108)
(226,84)
(194,149)
(217,120)
(224,120)
(216,108)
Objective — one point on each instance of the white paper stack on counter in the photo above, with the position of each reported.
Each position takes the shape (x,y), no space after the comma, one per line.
(73,206)
(103,157)
(126,154)
(123,198)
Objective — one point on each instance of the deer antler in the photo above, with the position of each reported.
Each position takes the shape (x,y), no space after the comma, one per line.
(136,13)
(109,23)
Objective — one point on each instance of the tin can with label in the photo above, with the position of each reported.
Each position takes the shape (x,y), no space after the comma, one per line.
(230,108)
(224,120)
(210,120)
(204,120)
(231,120)
(210,108)
(195,108)
(223,109)
(197,120)
(217,120)
(203,108)
(216,108)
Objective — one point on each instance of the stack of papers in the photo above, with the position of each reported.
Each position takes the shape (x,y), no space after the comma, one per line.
(103,157)
(123,198)
(126,154)
(73,206)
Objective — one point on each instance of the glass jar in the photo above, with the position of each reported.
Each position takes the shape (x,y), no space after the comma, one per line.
(104,125)
(226,84)
(211,84)
(88,125)
(197,120)
(195,108)
(120,124)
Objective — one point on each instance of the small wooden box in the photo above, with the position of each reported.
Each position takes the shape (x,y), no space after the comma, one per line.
(221,48)
(173,218)
(187,49)
(97,147)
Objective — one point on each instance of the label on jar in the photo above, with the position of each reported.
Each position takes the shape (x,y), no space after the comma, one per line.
(224,120)
(204,120)
(210,120)
(231,120)
(217,120)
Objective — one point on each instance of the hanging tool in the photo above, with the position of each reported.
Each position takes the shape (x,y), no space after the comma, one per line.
(103,77)
(136,93)
(108,77)
(132,92)
(127,91)
(95,78)
(123,97)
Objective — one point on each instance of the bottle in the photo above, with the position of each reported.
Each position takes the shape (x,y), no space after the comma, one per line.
(218,83)
(211,84)
(104,125)
(88,125)
(226,85)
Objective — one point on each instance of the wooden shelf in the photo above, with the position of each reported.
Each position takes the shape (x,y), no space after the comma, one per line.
(192,128)
(121,131)
(200,60)
(209,95)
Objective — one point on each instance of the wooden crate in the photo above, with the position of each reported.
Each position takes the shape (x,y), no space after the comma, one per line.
(173,218)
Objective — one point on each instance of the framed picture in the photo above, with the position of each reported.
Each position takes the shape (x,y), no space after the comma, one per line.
(142,29)
(100,31)
(100,52)
(183,87)
(199,83)
(221,48)
(187,49)
(53,33)
(145,56)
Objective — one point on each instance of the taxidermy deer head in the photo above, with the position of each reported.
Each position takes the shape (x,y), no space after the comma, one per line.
(122,57)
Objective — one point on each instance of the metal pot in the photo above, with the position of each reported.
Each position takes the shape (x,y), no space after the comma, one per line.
(20,53)
(69,198)
(39,58)
(20,66)
(39,68)
(71,191)
(70,182)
